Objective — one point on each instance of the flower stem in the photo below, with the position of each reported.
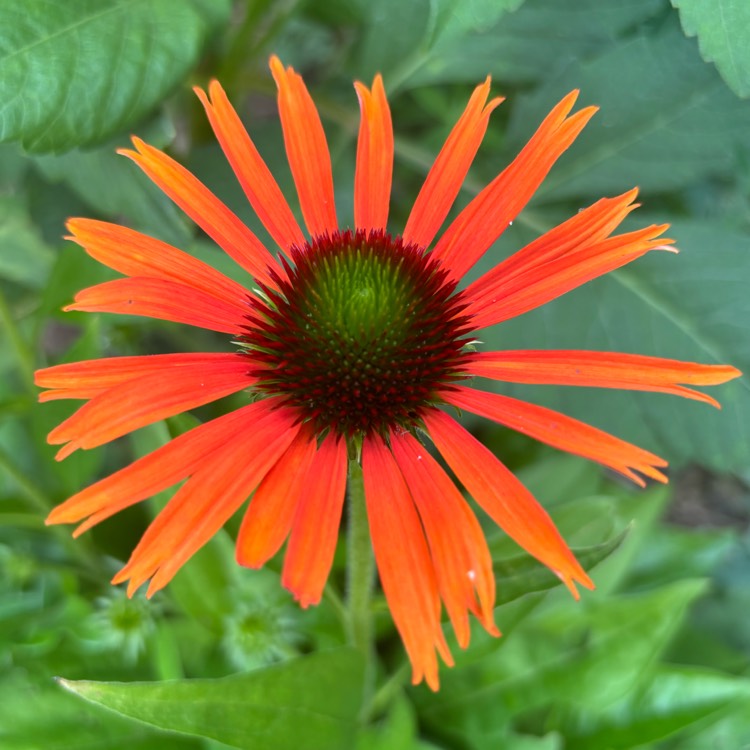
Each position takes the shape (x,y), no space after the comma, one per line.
(361,573)
(24,355)
(35,496)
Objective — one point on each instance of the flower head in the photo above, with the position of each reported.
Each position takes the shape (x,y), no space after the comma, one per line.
(352,343)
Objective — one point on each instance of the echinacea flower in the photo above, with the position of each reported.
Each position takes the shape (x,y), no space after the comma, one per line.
(351,343)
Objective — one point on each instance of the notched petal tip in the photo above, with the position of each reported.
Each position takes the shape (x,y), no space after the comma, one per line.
(66,451)
(215,89)
(203,96)
(128,153)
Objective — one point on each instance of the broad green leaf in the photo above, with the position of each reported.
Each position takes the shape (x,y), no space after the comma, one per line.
(520,575)
(416,30)
(666,119)
(24,257)
(316,697)
(526,44)
(589,654)
(731,731)
(723,31)
(396,731)
(673,699)
(73,73)
(40,716)
(692,306)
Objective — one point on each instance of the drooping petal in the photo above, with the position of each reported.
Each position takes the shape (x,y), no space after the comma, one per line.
(560,431)
(529,290)
(269,517)
(256,179)
(164,300)
(585,228)
(135,254)
(206,501)
(315,530)
(447,174)
(488,215)
(372,180)
(505,500)
(458,548)
(306,149)
(601,370)
(403,559)
(86,379)
(160,469)
(205,209)
(137,403)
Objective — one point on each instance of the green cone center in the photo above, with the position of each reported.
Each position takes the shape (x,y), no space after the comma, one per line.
(360,336)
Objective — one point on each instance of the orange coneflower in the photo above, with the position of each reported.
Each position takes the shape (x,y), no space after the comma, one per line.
(352,342)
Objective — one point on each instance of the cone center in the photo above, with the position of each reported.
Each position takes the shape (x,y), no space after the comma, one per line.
(361,335)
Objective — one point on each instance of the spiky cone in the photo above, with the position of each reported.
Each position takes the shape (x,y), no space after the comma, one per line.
(353,342)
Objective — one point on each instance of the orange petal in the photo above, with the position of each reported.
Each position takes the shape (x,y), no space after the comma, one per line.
(269,517)
(601,370)
(447,174)
(315,530)
(458,548)
(487,216)
(403,559)
(256,179)
(147,399)
(160,469)
(585,228)
(560,431)
(135,254)
(306,149)
(165,300)
(526,291)
(207,500)
(205,209)
(372,180)
(89,378)
(505,500)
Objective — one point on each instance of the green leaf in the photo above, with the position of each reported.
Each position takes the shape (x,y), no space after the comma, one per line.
(528,43)
(673,699)
(416,31)
(73,73)
(397,731)
(723,31)
(24,257)
(588,655)
(731,731)
(522,574)
(677,124)
(692,307)
(40,716)
(317,696)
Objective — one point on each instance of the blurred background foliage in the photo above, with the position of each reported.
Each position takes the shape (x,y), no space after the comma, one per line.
(659,655)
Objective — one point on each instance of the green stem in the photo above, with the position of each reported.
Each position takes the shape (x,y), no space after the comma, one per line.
(361,574)
(389,690)
(41,504)
(35,495)
(23,353)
